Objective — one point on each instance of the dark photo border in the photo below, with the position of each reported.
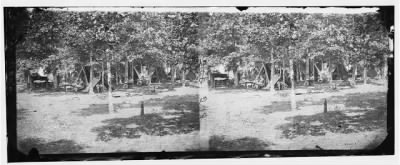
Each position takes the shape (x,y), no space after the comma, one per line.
(14,155)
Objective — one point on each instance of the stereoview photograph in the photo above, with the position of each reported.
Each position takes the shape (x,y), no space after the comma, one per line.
(115,80)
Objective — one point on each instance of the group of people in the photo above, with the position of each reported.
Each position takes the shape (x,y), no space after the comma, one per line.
(258,83)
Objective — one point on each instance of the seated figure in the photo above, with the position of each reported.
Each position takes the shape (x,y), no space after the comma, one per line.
(259,83)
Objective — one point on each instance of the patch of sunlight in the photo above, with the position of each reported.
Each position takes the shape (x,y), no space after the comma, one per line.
(354,113)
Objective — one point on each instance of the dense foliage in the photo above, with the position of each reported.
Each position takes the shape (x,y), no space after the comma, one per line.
(65,41)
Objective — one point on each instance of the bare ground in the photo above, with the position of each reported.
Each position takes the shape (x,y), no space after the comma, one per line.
(59,122)
(241,119)
(229,119)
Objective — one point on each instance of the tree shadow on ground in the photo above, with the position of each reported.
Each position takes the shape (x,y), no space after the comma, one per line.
(234,90)
(334,121)
(93,109)
(167,103)
(51,92)
(276,106)
(203,111)
(53,147)
(374,100)
(220,143)
(184,118)
(22,113)
(371,114)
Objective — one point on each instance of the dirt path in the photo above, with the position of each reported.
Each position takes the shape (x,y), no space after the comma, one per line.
(235,116)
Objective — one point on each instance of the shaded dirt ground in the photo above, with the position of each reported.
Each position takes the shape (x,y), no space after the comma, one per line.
(245,119)
(67,122)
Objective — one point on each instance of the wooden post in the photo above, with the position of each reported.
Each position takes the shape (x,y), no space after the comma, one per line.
(142,108)
(325,106)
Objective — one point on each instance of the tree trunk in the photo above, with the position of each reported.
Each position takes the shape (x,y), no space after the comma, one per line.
(120,75)
(55,82)
(84,74)
(91,74)
(283,72)
(102,77)
(272,86)
(133,74)
(354,76)
(65,81)
(29,81)
(149,75)
(266,74)
(292,92)
(329,71)
(307,71)
(365,74)
(210,78)
(183,78)
(110,104)
(236,78)
(173,74)
(126,72)
(313,70)
(116,77)
(298,73)
(27,75)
